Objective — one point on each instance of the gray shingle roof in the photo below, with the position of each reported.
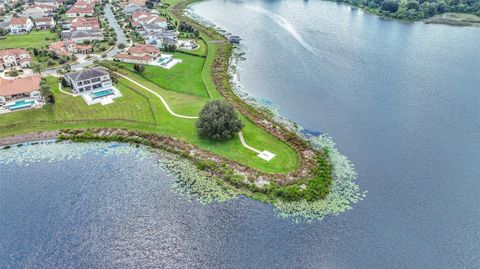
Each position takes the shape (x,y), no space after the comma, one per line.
(87,74)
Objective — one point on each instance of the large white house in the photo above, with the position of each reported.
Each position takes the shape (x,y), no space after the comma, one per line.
(94,85)
(20,25)
(88,80)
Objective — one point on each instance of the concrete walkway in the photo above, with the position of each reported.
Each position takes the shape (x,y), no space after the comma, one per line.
(61,90)
(266,155)
(159,96)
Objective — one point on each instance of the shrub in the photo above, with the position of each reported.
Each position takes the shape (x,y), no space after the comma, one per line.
(218,120)
(139,68)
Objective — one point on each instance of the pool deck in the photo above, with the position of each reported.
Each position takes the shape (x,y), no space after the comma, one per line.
(101,100)
(4,109)
(171,64)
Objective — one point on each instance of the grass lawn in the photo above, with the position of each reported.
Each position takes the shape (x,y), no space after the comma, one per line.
(184,77)
(35,39)
(186,88)
(142,111)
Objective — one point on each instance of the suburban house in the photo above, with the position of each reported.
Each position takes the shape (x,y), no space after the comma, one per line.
(53,3)
(81,23)
(131,8)
(44,23)
(20,93)
(94,85)
(92,2)
(143,54)
(160,39)
(80,9)
(20,25)
(88,80)
(141,18)
(82,35)
(125,3)
(38,11)
(68,48)
(14,57)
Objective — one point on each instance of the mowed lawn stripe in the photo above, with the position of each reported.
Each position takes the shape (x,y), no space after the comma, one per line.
(35,39)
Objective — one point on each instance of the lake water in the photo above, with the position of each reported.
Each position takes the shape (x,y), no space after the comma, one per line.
(401,101)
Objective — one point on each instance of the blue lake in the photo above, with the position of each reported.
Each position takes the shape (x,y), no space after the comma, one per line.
(400,100)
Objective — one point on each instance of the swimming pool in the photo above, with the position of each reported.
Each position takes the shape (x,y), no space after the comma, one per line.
(101,94)
(19,104)
(164,60)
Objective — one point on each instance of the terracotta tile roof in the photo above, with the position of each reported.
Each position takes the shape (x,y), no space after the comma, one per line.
(84,22)
(83,47)
(60,44)
(19,85)
(43,7)
(75,10)
(43,19)
(6,52)
(142,48)
(132,57)
(19,21)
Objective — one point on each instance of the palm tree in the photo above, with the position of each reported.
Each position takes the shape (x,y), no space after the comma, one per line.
(67,68)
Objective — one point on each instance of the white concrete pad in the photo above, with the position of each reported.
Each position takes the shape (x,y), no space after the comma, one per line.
(266,155)
(106,101)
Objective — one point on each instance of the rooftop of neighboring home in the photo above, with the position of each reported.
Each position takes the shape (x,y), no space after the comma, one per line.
(48,2)
(60,44)
(19,21)
(124,56)
(45,8)
(13,52)
(132,8)
(62,47)
(84,4)
(94,33)
(84,22)
(44,20)
(146,17)
(143,49)
(81,7)
(127,2)
(87,74)
(19,85)
(80,10)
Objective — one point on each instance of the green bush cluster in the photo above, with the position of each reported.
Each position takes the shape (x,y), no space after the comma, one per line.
(416,9)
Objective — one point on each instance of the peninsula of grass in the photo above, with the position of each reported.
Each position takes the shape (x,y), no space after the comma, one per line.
(296,172)
(34,39)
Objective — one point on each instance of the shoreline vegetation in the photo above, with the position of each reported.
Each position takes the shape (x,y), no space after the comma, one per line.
(317,181)
(447,12)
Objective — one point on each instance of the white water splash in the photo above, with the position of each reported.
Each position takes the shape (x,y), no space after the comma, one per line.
(285,24)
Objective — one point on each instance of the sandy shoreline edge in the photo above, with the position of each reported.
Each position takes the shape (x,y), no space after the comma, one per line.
(28,137)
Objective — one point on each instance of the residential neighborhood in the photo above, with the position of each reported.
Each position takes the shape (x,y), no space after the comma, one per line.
(66,39)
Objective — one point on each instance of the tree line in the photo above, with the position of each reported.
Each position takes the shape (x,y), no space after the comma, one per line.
(417,9)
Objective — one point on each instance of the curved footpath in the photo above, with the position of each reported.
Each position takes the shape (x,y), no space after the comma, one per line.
(266,155)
